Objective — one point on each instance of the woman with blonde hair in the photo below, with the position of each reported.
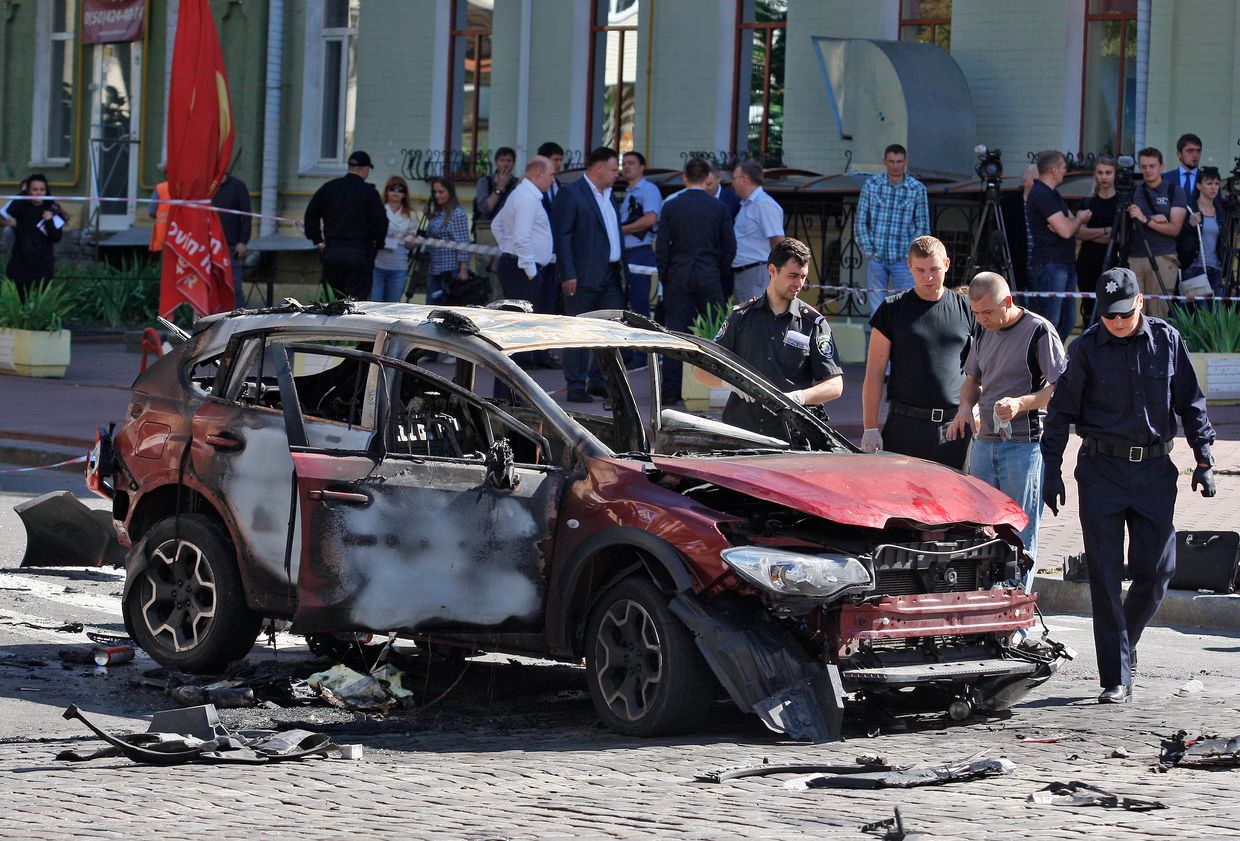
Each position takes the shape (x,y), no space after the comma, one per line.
(392,261)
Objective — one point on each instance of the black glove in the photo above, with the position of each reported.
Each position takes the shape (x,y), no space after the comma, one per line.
(1204,477)
(1053,493)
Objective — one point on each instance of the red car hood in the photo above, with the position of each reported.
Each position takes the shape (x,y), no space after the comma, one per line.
(859,490)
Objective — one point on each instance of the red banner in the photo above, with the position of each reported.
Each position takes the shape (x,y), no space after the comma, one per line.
(110,21)
(196,269)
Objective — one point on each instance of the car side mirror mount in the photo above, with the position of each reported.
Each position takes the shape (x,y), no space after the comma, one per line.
(501,469)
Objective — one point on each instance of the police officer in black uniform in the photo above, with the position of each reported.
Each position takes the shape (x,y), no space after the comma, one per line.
(346,220)
(784,339)
(1127,379)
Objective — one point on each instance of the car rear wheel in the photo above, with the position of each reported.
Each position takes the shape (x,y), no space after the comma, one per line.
(187,608)
(645,673)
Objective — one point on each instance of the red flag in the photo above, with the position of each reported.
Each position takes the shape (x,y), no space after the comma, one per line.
(196,268)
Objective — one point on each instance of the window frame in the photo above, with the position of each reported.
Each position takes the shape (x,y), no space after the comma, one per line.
(595,110)
(933,22)
(746,9)
(41,110)
(454,127)
(317,36)
(1101,17)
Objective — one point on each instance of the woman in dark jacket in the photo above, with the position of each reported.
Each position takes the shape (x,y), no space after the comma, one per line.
(37,227)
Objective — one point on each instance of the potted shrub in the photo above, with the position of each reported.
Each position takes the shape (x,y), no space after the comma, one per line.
(698,397)
(1212,337)
(33,341)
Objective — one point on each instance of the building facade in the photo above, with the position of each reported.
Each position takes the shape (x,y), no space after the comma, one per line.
(430,86)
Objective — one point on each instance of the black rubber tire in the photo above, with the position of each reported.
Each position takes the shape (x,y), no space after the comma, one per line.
(676,681)
(200,579)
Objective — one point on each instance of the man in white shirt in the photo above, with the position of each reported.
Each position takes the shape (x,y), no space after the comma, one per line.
(759,227)
(586,227)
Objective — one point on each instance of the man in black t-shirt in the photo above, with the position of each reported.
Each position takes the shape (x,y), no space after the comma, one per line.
(1158,211)
(925,334)
(1052,263)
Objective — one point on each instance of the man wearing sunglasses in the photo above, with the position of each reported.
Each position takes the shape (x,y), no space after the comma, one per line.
(1127,379)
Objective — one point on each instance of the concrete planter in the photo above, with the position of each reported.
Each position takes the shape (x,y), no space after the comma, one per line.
(698,397)
(34,353)
(1218,374)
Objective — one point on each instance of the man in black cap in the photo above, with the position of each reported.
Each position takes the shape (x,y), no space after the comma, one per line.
(346,220)
(1127,379)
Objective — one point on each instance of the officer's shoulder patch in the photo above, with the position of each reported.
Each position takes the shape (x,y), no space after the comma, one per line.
(825,344)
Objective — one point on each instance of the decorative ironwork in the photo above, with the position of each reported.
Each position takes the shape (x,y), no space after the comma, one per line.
(459,165)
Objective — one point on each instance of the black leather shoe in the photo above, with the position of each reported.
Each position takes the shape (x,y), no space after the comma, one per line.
(579,396)
(1116,695)
(597,390)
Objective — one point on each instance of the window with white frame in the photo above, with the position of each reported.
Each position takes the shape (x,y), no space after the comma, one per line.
(52,138)
(330,93)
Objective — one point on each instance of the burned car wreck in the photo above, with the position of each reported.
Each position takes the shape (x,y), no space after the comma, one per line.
(310,465)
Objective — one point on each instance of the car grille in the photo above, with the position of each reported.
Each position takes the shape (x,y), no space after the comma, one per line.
(954,567)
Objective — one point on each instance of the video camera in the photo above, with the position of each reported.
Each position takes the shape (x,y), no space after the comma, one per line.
(1125,178)
(1231,189)
(636,211)
(989,165)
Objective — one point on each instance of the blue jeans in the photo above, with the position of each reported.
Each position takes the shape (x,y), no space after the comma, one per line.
(388,285)
(1060,312)
(1014,467)
(883,279)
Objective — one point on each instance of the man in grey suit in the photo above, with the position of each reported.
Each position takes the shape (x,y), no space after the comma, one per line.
(586,227)
(693,253)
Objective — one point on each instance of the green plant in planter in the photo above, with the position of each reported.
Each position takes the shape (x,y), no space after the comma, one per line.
(708,324)
(45,307)
(1214,330)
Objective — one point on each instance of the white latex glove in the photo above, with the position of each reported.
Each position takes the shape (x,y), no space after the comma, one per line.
(797,396)
(871,441)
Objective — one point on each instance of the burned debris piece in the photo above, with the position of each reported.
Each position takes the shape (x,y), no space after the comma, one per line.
(720,775)
(176,737)
(891,829)
(1077,793)
(62,532)
(912,778)
(1200,751)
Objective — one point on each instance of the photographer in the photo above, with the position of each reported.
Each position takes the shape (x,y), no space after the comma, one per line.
(1157,212)
(639,215)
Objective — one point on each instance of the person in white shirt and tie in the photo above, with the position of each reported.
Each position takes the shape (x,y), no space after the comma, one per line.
(1188,150)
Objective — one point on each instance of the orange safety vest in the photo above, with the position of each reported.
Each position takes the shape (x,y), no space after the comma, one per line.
(162,211)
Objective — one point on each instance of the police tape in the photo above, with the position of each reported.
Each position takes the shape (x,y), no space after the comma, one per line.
(862,294)
(473,248)
(78,460)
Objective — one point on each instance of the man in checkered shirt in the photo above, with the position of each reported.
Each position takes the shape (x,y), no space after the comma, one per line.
(892,212)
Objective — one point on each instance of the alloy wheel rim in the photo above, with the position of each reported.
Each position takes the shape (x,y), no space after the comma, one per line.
(180,598)
(628,660)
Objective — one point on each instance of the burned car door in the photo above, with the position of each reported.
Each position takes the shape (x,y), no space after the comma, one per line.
(240,448)
(444,519)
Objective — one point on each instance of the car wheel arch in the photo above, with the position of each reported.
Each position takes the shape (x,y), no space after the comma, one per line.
(599,563)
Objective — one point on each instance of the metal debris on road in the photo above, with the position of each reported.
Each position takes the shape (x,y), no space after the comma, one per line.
(892,829)
(1200,751)
(1192,687)
(1077,793)
(910,778)
(720,775)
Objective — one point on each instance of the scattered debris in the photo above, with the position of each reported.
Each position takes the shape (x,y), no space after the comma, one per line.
(343,687)
(224,694)
(892,829)
(159,747)
(79,656)
(65,628)
(766,769)
(1193,686)
(909,778)
(112,655)
(1077,793)
(1044,740)
(1203,751)
(1119,753)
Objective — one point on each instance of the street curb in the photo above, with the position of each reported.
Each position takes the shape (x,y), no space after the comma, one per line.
(41,455)
(1180,608)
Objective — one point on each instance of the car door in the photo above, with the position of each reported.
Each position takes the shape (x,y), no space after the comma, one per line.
(444,520)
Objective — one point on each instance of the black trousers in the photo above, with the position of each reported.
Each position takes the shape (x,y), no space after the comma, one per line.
(1116,493)
(684,299)
(349,271)
(924,438)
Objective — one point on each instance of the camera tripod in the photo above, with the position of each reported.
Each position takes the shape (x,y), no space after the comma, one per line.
(991,219)
(1118,245)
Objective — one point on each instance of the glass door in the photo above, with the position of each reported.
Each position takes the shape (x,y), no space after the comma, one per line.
(116,91)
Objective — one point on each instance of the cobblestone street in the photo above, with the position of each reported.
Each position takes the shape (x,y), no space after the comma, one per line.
(530,762)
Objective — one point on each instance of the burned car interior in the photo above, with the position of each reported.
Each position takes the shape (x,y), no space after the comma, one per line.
(326,471)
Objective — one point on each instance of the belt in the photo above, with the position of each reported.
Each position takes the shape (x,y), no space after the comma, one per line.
(933,415)
(1130,453)
(746,267)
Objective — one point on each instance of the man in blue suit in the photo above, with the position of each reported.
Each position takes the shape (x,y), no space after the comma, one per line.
(586,228)
(693,253)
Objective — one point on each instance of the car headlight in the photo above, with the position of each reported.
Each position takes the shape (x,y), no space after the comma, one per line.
(794,574)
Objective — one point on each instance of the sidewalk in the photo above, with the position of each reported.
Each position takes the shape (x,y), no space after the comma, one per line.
(47,421)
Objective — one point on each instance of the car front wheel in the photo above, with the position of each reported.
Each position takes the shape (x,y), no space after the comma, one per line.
(187,608)
(645,673)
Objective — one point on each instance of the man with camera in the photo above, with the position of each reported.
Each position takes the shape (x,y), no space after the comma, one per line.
(1157,211)
(1128,379)
(639,214)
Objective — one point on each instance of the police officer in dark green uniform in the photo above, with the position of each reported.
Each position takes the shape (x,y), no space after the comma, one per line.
(783,338)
